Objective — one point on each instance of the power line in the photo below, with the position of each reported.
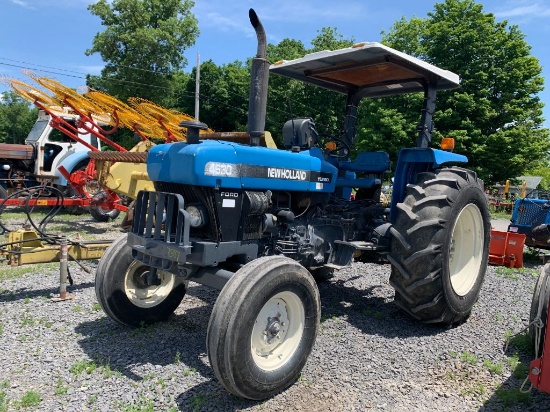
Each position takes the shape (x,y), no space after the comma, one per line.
(40,65)
(44,71)
(57,70)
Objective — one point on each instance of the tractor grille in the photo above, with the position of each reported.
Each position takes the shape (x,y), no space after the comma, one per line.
(532,213)
(155,207)
(197,194)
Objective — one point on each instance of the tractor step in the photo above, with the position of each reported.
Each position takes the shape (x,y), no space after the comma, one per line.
(346,250)
(361,245)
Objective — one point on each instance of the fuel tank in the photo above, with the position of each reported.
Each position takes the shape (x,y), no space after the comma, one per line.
(215,163)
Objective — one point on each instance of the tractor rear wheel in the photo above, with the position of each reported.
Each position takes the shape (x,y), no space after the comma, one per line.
(539,310)
(263,327)
(441,245)
(125,295)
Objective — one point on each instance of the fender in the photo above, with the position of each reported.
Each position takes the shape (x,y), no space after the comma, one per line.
(412,161)
(69,163)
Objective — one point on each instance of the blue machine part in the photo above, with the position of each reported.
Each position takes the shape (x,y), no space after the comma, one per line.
(529,213)
(413,161)
(214,163)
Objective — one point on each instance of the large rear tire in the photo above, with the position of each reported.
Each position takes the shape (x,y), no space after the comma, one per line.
(539,310)
(123,293)
(441,245)
(263,327)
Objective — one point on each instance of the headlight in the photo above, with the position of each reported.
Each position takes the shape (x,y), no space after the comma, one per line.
(197,215)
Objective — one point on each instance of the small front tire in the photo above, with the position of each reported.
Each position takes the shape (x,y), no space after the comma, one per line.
(263,327)
(123,293)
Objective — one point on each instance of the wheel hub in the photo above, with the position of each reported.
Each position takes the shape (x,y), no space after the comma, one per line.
(144,290)
(277,330)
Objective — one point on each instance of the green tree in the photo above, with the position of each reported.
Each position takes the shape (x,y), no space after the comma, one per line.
(224,91)
(16,118)
(142,46)
(223,95)
(496,115)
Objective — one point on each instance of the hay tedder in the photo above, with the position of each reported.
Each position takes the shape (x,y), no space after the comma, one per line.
(61,162)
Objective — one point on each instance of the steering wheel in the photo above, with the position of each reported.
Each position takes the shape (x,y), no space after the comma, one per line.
(340,149)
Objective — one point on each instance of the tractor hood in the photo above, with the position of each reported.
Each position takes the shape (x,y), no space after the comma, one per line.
(213,163)
(372,69)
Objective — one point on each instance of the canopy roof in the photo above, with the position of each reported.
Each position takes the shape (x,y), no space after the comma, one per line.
(372,68)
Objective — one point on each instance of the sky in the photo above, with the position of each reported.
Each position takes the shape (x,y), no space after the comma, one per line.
(50,37)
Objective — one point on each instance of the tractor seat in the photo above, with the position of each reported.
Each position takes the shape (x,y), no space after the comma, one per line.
(367,162)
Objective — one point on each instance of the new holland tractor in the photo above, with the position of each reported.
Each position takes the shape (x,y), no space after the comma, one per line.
(262,224)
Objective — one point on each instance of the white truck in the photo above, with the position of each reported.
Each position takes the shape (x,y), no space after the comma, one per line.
(56,143)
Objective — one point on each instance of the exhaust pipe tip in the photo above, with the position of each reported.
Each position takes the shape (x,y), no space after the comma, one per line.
(257,104)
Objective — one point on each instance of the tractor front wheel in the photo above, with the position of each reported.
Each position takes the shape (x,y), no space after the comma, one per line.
(124,292)
(441,245)
(263,327)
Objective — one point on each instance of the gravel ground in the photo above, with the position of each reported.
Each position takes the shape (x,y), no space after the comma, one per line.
(368,356)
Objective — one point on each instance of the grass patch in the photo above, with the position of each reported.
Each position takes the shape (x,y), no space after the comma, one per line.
(189,371)
(83,366)
(520,341)
(4,402)
(513,396)
(198,402)
(477,389)
(519,370)
(12,272)
(143,405)
(28,320)
(108,372)
(498,213)
(30,398)
(496,368)
(515,273)
(468,357)
(60,389)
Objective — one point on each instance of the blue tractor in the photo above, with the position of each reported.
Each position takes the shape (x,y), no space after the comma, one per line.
(531,217)
(262,224)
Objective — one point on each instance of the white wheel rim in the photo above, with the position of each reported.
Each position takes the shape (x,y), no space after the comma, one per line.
(277,331)
(141,294)
(466,249)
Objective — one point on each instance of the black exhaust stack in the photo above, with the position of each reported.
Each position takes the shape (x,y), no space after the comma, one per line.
(259,76)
